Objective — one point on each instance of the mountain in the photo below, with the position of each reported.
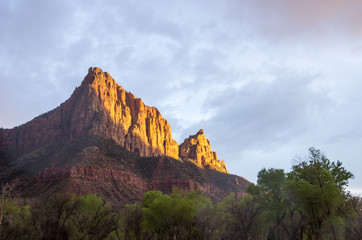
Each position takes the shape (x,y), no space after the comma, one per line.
(105,140)
(99,107)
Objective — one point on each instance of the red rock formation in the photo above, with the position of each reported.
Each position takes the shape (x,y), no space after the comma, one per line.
(100,107)
(69,149)
(112,185)
(123,186)
(197,149)
(103,108)
(137,127)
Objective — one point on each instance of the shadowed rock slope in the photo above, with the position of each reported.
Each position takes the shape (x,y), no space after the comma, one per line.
(104,140)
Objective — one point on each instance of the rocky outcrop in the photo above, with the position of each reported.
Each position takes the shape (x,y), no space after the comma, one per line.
(128,186)
(112,185)
(88,145)
(127,120)
(98,107)
(197,149)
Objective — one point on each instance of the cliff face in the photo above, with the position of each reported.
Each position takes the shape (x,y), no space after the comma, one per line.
(98,107)
(106,141)
(101,166)
(126,119)
(197,149)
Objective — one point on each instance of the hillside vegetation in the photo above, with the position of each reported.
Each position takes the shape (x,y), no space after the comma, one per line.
(310,202)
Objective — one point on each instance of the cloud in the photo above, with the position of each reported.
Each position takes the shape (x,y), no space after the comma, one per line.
(286,20)
(265,79)
(263,115)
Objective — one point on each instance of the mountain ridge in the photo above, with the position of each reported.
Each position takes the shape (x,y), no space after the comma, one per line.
(101,108)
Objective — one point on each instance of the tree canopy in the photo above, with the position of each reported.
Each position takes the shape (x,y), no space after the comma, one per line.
(309,202)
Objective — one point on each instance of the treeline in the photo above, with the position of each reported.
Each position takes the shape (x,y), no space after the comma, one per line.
(310,202)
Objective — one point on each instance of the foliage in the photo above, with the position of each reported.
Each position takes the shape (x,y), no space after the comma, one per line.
(92,219)
(172,216)
(318,188)
(310,202)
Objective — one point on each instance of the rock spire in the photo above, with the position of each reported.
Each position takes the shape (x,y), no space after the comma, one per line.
(197,149)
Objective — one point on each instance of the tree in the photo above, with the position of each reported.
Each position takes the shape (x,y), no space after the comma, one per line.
(93,219)
(172,216)
(275,205)
(6,190)
(318,186)
(16,224)
(245,222)
(157,209)
(131,224)
(280,213)
(209,222)
(354,217)
(49,216)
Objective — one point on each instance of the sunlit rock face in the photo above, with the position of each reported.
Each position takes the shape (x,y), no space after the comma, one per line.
(98,107)
(104,140)
(197,149)
(121,116)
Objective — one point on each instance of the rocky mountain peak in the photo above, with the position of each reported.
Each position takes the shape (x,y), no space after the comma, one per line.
(197,149)
(84,146)
(134,125)
(101,107)
(200,132)
(96,76)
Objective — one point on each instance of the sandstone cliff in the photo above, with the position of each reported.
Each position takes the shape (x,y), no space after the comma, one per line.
(197,149)
(98,107)
(106,141)
(97,165)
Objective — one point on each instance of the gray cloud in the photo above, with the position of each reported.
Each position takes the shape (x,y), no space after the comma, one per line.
(263,115)
(265,79)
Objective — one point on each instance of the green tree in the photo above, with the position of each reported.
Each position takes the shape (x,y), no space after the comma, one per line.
(5,197)
(274,201)
(16,221)
(318,186)
(93,219)
(157,209)
(281,215)
(172,216)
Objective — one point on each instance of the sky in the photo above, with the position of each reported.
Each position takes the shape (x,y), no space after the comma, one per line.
(265,79)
